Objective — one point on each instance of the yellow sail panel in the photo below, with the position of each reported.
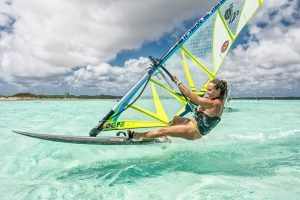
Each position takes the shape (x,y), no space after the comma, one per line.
(150,114)
(159,108)
(171,92)
(160,114)
(123,124)
(175,96)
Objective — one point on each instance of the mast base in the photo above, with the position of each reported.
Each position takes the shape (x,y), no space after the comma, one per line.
(94,132)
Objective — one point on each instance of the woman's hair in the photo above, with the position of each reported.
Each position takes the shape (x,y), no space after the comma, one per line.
(222,85)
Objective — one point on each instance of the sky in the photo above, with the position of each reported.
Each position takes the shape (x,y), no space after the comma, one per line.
(102,46)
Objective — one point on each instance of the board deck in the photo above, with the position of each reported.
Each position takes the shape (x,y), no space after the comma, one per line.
(99,140)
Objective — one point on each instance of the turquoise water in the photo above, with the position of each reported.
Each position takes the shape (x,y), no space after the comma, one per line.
(252,154)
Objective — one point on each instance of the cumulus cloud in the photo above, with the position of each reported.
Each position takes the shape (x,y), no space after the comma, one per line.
(46,45)
(105,78)
(268,64)
(52,37)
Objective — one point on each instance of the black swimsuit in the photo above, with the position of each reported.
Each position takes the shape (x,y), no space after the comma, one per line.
(206,123)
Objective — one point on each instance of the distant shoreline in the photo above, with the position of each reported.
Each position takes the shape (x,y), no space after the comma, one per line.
(2,98)
(14,98)
(266,98)
(29,96)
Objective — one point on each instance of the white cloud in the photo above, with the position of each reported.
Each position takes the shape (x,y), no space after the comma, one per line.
(51,37)
(107,79)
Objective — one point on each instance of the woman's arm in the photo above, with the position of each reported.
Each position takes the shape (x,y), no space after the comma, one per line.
(205,102)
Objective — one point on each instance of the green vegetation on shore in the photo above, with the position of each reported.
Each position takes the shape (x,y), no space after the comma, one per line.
(42,96)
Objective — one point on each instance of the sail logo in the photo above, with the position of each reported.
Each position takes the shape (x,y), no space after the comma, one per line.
(225,46)
(119,124)
(230,14)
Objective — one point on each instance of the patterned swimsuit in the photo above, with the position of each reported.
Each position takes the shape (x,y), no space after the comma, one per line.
(206,123)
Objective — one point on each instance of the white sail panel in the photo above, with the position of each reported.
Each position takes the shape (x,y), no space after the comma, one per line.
(249,9)
(222,42)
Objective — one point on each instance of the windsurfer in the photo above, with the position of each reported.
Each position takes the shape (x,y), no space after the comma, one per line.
(206,118)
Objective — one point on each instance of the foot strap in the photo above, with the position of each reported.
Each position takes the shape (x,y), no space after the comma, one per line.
(121,132)
(130,134)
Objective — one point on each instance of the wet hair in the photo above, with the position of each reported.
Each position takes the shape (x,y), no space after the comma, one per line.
(222,85)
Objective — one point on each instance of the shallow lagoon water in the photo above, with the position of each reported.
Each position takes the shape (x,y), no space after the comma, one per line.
(252,154)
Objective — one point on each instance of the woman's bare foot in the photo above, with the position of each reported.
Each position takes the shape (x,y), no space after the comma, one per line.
(137,135)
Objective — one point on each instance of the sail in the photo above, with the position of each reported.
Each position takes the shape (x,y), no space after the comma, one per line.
(195,59)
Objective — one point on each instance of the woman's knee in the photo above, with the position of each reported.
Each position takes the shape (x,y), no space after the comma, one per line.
(187,133)
(162,131)
(192,134)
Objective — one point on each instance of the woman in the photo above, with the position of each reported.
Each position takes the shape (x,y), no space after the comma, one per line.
(206,118)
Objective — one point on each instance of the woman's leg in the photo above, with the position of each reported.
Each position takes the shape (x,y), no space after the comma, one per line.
(187,131)
(179,120)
